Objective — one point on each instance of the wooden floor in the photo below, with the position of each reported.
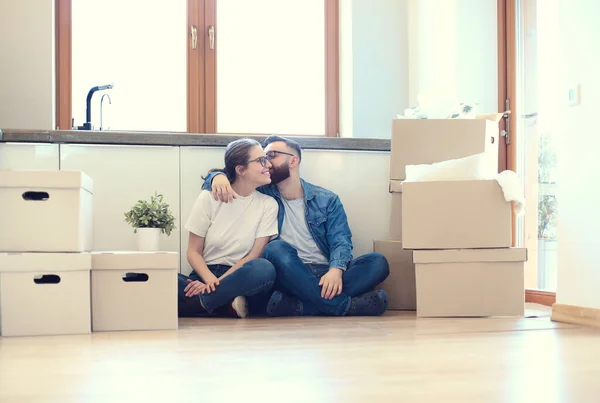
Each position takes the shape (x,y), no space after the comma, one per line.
(394,358)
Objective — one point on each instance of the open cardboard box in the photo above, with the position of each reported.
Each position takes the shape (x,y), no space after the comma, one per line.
(426,141)
(455,215)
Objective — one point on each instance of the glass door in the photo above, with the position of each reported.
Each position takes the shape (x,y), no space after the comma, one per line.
(537,112)
(272,67)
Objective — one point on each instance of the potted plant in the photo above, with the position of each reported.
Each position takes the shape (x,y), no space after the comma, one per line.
(547,212)
(547,203)
(149,219)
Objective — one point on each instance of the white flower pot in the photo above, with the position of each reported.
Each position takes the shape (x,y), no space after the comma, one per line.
(148,239)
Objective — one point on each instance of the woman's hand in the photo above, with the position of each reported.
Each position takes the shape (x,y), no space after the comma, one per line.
(211,284)
(221,189)
(193,288)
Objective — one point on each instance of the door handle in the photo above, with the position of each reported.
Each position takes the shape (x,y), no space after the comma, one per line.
(194,34)
(211,36)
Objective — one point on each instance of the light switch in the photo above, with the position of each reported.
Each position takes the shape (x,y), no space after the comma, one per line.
(575,95)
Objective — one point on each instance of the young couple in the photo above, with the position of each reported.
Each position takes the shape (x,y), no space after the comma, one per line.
(262,241)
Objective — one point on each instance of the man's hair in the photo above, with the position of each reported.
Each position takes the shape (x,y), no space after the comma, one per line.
(290,143)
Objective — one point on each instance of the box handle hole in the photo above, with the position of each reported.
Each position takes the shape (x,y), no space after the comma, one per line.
(47,279)
(135,277)
(36,196)
(493,140)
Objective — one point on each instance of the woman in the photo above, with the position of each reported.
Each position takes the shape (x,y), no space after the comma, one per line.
(227,239)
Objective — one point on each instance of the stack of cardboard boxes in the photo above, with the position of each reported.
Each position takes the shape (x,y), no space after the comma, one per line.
(450,242)
(50,281)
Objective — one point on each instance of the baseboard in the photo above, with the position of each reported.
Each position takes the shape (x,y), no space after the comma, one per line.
(540,297)
(575,315)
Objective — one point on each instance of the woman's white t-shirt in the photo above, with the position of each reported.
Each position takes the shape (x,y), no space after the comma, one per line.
(230,229)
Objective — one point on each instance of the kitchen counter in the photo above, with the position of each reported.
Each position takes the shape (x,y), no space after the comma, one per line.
(179,139)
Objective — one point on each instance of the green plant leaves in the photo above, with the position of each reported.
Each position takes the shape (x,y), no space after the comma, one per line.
(151,214)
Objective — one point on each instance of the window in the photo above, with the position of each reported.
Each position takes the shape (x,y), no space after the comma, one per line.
(205,66)
(270,71)
(139,47)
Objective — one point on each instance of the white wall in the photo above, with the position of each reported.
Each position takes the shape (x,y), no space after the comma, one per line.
(578,193)
(453,50)
(27,64)
(477,53)
(392,50)
(374,63)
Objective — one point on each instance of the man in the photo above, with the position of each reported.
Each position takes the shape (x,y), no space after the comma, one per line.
(316,272)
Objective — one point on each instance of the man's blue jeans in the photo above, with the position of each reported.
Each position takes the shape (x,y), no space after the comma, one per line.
(254,280)
(296,278)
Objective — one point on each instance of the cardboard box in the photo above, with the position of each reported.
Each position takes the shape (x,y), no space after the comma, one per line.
(400,284)
(46,211)
(470,283)
(44,294)
(396,212)
(425,141)
(134,291)
(455,215)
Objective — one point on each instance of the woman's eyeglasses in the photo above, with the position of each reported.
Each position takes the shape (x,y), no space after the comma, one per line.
(268,157)
(261,160)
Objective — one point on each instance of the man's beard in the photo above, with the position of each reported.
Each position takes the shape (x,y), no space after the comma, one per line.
(279,173)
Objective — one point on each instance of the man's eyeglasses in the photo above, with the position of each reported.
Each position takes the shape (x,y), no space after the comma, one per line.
(273,153)
(261,160)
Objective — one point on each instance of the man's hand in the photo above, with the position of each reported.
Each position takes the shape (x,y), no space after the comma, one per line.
(194,288)
(331,283)
(221,189)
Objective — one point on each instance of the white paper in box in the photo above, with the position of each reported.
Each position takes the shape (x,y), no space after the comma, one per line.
(134,291)
(46,211)
(44,294)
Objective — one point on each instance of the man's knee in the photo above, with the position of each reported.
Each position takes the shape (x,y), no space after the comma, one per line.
(261,269)
(378,265)
(277,247)
(382,265)
(279,252)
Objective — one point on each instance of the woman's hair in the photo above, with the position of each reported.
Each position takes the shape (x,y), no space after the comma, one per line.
(236,153)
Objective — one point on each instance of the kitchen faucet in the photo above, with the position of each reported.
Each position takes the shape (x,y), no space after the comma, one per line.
(102,107)
(88,106)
